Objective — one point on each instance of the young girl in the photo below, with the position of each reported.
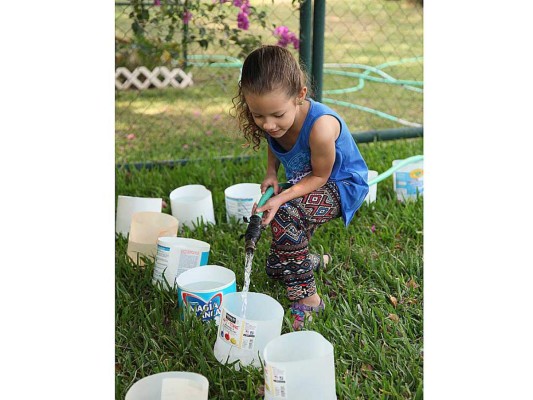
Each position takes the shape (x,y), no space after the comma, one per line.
(320,158)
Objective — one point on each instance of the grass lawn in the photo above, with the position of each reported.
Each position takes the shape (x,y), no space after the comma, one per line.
(373,290)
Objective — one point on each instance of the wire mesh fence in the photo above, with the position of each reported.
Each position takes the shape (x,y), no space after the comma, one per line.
(373,68)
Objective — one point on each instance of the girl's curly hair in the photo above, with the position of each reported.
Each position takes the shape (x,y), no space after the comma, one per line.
(266,69)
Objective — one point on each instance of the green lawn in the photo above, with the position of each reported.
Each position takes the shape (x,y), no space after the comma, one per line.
(378,341)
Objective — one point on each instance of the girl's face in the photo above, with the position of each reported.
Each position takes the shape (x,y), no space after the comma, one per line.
(274,112)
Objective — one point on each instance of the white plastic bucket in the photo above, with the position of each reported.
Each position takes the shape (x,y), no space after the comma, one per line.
(372,190)
(240,199)
(176,255)
(191,204)
(146,228)
(299,365)
(408,180)
(128,205)
(244,339)
(205,290)
(173,385)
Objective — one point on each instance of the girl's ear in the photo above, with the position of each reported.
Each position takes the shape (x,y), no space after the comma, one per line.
(302,93)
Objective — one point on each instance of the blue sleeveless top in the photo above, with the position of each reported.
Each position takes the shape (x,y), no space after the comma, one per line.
(349,172)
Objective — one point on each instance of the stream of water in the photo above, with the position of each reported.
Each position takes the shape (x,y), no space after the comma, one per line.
(247,272)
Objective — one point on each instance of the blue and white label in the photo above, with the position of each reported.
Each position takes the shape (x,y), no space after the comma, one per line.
(204,260)
(206,305)
(409,184)
(207,308)
(171,262)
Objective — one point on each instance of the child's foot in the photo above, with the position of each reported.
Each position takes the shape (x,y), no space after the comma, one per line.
(320,263)
(302,312)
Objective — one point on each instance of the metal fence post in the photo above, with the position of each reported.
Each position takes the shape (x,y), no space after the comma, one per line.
(185,38)
(306,20)
(319,22)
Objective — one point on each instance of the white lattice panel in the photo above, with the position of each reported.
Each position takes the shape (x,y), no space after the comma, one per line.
(160,77)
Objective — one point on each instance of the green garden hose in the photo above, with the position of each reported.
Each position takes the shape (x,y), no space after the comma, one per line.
(268,194)
(410,160)
(232,62)
(391,170)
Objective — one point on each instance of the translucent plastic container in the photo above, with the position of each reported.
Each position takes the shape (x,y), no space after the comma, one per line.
(244,338)
(299,365)
(173,385)
(205,290)
(408,181)
(191,204)
(240,199)
(372,190)
(146,228)
(128,205)
(176,255)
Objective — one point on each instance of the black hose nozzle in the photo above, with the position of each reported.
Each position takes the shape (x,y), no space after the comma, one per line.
(253,233)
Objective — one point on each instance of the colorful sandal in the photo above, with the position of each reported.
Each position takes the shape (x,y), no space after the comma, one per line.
(302,312)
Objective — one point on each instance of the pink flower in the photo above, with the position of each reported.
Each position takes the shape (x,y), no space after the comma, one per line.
(296,43)
(131,136)
(216,117)
(242,21)
(285,36)
(245,7)
(237,3)
(187,16)
(281,31)
(197,113)
(157,2)
(373,228)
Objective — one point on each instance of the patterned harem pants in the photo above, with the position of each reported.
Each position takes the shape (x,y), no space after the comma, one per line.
(293,226)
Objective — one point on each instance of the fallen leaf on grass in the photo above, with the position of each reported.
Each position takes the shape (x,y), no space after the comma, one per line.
(393,300)
(118,367)
(409,301)
(393,317)
(366,368)
(260,390)
(412,284)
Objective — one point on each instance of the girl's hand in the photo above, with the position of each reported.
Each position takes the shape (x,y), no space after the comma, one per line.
(273,183)
(269,209)
(270,180)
